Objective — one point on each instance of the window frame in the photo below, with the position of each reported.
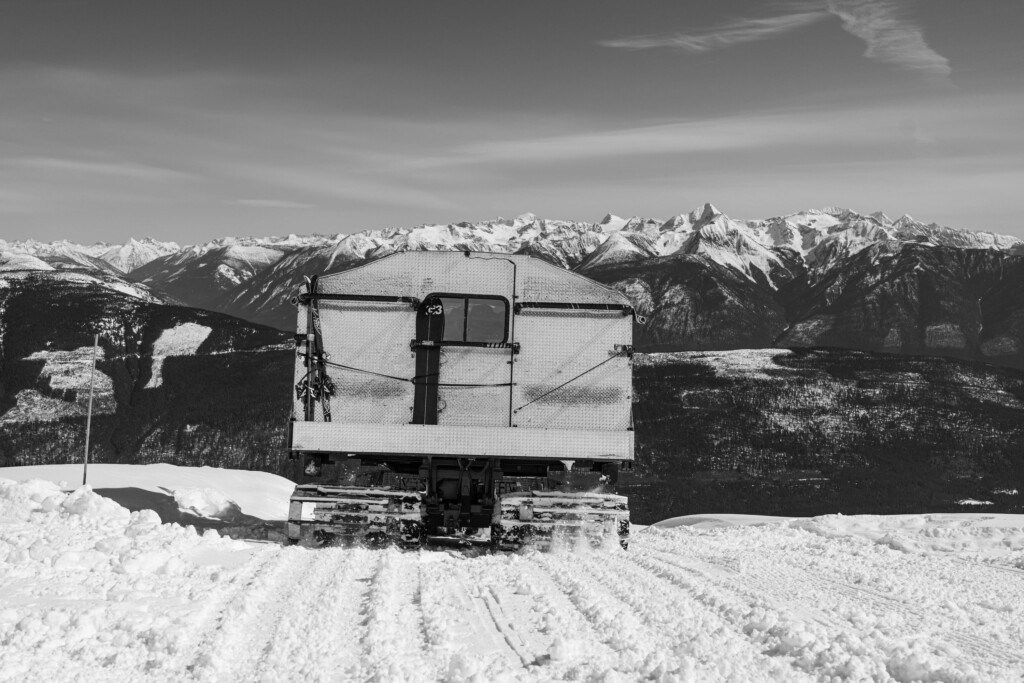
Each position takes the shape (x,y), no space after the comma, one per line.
(465,316)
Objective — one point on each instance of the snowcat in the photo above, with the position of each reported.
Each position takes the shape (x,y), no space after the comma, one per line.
(467,398)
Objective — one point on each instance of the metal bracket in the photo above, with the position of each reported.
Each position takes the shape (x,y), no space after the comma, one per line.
(426,343)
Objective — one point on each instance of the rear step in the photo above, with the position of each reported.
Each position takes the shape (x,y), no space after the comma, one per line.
(320,515)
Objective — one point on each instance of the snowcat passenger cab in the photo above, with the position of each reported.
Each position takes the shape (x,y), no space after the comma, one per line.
(476,387)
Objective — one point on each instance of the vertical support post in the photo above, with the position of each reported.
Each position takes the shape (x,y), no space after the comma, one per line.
(310,407)
(512,344)
(88,419)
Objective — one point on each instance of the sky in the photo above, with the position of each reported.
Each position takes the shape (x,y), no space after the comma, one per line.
(189,120)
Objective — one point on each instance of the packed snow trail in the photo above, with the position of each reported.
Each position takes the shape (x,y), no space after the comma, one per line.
(91,592)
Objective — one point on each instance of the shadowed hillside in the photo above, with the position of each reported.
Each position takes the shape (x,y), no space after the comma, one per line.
(172,384)
(808,432)
(767,431)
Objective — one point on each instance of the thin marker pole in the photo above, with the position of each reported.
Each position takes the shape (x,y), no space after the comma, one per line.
(88,419)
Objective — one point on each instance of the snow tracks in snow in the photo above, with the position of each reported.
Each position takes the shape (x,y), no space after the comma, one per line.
(89,592)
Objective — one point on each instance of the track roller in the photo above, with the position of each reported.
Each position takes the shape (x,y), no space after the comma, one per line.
(543,518)
(323,515)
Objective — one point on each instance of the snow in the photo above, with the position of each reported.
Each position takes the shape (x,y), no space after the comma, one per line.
(731,244)
(89,591)
(257,494)
(136,253)
(613,223)
(137,291)
(718,521)
(99,279)
(620,247)
(204,502)
(180,340)
(65,371)
(747,363)
(16,261)
(31,405)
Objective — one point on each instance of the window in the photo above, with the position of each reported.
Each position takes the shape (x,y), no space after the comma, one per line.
(474,319)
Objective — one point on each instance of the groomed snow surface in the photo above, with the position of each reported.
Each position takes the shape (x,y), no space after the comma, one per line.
(92,592)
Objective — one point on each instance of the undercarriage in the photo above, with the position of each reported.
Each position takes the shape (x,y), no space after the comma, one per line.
(501,504)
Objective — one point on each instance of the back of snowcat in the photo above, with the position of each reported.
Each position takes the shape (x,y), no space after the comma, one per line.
(464,398)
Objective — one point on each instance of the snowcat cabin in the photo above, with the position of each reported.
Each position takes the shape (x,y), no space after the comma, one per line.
(486,398)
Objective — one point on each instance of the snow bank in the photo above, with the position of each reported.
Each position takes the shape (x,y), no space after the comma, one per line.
(206,502)
(719,521)
(996,539)
(255,494)
(990,538)
(90,591)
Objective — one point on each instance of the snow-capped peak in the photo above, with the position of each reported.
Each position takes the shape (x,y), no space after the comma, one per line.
(619,247)
(904,220)
(705,214)
(881,218)
(136,253)
(612,223)
(734,245)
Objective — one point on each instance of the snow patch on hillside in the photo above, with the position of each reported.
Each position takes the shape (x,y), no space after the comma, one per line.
(30,406)
(107,282)
(67,373)
(747,363)
(15,261)
(180,340)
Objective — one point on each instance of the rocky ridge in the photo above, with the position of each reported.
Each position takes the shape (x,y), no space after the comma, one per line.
(817,277)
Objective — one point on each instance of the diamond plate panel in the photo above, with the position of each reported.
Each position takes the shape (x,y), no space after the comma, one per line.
(470,405)
(373,337)
(568,344)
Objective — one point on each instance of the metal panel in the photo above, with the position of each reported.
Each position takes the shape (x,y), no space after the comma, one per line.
(557,444)
(564,345)
(373,337)
(474,405)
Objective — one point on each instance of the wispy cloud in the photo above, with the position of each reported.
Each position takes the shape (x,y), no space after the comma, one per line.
(890,37)
(903,128)
(733,33)
(123,169)
(270,204)
(334,183)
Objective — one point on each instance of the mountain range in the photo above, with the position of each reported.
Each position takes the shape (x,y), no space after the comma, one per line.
(796,432)
(830,277)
